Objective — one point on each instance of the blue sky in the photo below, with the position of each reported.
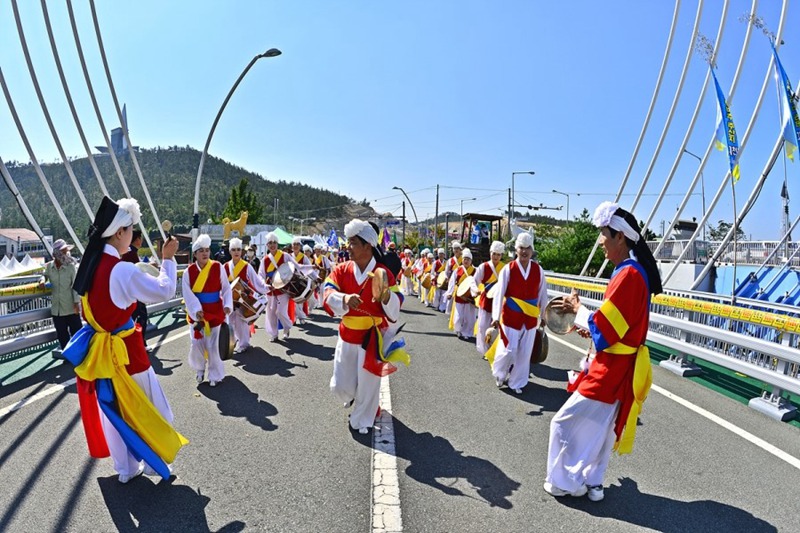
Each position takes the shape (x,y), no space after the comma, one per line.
(369,95)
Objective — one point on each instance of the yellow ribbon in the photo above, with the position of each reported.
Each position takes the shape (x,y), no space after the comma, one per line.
(106,359)
(642,379)
(237,269)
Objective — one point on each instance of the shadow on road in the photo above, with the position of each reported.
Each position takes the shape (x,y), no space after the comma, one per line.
(308,349)
(257,361)
(433,457)
(627,504)
(235,399)
(142,505)
(547,399)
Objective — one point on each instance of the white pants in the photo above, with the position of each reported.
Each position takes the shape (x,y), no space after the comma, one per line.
(298,310)
(516,352)
(197,360)
(484,321)
(423,294)
(277,309)
(464,319)
(438,300)
(351,382)
(124,462)
(407,286)
(241,329)
(581,440)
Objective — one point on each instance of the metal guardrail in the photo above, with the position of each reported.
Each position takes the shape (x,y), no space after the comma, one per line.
(753,337)
(25,321)
(747,252)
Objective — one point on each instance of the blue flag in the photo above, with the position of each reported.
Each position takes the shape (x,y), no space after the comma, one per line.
(789,118)
(333,240)
(726,131)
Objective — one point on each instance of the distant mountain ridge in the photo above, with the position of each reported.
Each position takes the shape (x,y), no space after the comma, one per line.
(170,175)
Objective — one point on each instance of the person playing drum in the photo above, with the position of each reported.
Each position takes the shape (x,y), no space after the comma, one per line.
(406,281)
(279,304)
(300,257)
(207,293)
(520,295)
(439,301)
(249,281)
(452,264)
(363,292)
(323,265)
(486,274)
(114,376)
(462,317)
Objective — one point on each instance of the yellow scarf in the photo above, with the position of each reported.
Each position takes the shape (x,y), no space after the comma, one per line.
(642,379)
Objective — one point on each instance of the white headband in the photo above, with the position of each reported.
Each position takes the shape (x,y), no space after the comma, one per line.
(359,228)
(128,214)
(605,215)
(203,241)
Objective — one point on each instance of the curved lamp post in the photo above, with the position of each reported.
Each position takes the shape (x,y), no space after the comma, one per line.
(416,220)
(513,196)
(272,52)
(702,188)
(567,195)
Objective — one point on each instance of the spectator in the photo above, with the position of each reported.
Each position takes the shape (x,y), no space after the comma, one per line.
(65,303)
(222,255)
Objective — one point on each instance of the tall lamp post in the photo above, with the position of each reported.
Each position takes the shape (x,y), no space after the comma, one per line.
(513,197)
(702,188)
(272,52)
(416,220)
(462,213)
(567,195)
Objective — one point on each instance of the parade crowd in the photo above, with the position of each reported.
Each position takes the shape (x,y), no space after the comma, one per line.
(499,305)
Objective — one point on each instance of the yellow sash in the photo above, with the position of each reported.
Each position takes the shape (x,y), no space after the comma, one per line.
(106,359)
(200,282)
(357,322)
(274,264)
(642,379)
(526,308)
(237,269)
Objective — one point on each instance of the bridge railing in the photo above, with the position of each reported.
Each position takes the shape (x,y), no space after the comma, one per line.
(25,320)
(753,337)
(747,252)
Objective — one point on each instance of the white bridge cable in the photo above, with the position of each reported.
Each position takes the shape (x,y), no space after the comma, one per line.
(649,115)
(675,99)
(36,166)
(721,189)
(690,129)
(122,122)
(23,206)
(710,147)
(46,112)
(71,104)
(99,115)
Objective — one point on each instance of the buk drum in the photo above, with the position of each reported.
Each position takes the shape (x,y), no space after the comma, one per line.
(248,301)
(442,281)
(227,342)
(297,285)
(541,346)
(426,280)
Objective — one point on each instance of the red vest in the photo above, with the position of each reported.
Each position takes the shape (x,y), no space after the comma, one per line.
(110,317)
(213,312)
(229,268)
(524,289)
(343,276)
(461,274)
(268,275)
(485,302)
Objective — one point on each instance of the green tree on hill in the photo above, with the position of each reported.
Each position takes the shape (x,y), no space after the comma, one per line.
(564,250)
(243,200)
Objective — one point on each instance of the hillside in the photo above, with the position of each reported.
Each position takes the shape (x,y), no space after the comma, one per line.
(170,175)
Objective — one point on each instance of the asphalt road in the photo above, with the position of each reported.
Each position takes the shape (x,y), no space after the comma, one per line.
(271,451)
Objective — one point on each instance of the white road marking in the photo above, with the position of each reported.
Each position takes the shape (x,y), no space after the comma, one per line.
(386,515)
(61,386)
(761,443)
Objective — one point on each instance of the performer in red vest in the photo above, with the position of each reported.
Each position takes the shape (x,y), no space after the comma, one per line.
(280,311)
(366,349)
(486,274)
(463,313)
(123,408)
(601,415)
(452,264)
(250,281)
(207,294)
(439,301)
(521,294)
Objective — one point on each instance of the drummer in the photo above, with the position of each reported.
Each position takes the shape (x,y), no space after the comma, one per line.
(207,294)
(279,305)
(406,283)
(427,294)
(300,257)
(462,316)
(521,293)
(486,274)
(421,266)
(439,301)
(250,281)
(323,265)
(452,264)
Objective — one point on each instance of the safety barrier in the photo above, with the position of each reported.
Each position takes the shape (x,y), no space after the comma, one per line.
(756,338)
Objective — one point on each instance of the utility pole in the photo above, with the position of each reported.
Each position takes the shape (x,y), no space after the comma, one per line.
(436,220)
(446,234)
(509,214)
(404,223)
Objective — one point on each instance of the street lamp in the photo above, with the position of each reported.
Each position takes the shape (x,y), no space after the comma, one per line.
(513,197)
(567,195)
(702,187)
(416,220)
(462,207)
(272,52)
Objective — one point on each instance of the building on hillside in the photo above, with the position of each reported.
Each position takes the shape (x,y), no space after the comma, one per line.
(18,242)
(118,142)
